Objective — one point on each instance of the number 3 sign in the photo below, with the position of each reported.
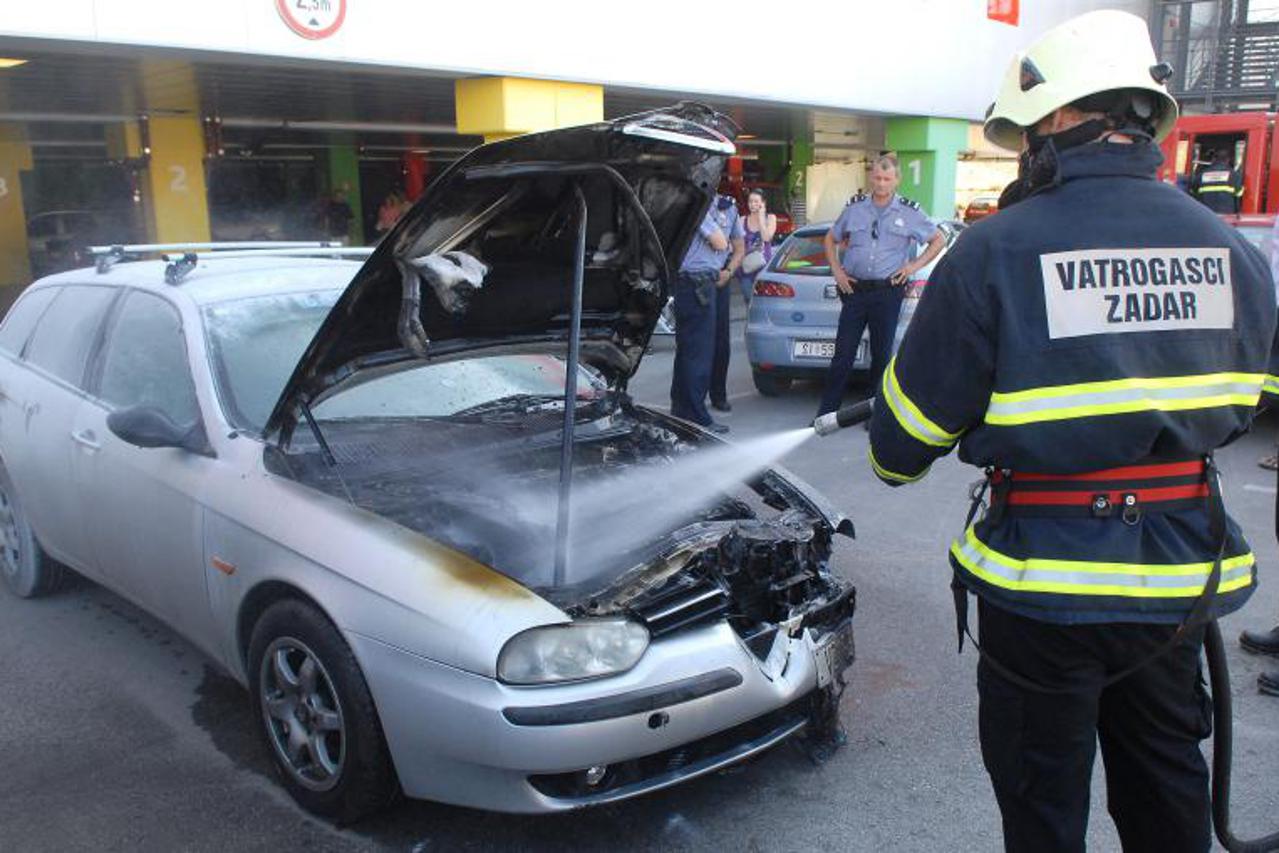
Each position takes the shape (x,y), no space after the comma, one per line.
(312,19)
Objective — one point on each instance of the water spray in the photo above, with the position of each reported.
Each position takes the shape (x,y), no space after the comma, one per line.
(850,415)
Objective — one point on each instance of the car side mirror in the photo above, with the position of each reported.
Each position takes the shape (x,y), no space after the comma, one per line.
(147,426)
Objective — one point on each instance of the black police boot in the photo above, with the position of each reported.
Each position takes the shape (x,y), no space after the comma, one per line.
(1261,642)
(1268,683)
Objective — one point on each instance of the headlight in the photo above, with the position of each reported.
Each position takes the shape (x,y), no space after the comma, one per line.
(589,648)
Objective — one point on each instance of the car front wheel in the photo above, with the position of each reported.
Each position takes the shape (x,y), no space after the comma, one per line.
(318,715)
(28,572)
(769,384)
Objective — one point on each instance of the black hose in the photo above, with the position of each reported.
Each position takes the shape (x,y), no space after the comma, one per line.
(1223,749)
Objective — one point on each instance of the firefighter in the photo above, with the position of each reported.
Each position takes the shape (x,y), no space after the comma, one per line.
(1089,347)
(1217,185)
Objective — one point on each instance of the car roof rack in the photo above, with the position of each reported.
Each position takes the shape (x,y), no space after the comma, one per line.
(177,267)
(106,257)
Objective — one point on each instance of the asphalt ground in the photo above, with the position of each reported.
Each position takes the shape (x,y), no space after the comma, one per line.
(115,734)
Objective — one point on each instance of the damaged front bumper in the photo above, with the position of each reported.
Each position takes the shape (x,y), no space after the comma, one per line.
(699,700)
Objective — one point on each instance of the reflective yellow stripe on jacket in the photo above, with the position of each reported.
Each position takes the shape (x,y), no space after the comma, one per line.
(1270,385)
(1081,577)
(1220,188)
(908,414)
(887,474)
(1123,396)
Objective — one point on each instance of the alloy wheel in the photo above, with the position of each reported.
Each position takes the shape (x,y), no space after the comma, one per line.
(302,714)
(10,540)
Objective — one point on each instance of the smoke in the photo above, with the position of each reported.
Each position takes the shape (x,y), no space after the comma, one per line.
(613,515)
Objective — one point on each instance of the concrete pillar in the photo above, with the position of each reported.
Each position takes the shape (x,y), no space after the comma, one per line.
(344,176)
(928,150)
(175,196)
(15,266)
(501,107)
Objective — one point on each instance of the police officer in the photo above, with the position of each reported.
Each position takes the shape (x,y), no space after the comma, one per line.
(877,234)
(714,255)
(1217,185)
(1089,347)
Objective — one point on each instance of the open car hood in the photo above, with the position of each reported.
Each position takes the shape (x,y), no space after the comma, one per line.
(485,260)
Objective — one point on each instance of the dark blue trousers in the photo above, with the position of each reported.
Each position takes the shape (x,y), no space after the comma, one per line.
(878,309)
(723,344)
(694,345)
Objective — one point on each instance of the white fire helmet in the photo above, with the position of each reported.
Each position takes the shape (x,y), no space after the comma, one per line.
(1096,52)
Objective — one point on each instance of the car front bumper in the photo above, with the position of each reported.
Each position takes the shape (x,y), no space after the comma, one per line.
(697,701)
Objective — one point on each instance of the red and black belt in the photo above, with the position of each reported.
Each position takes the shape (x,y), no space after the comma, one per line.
(1125,492)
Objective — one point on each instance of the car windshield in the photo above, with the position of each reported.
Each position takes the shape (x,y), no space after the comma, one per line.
(513,388)
(255,343)
(803,254)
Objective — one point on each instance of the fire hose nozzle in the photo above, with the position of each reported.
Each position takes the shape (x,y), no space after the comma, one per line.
(850,415)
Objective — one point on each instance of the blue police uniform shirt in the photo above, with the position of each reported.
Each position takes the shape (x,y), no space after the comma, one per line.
(880,239)
(701,257)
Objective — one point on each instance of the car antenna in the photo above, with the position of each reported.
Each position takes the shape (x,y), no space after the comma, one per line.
(564,518)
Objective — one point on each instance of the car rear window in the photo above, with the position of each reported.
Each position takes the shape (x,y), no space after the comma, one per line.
(802,255)
(22,318)
(66,332)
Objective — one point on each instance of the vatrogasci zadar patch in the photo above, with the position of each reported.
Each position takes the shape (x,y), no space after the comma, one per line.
(1103,291)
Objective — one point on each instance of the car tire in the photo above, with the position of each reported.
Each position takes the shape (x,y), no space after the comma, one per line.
(27,570)
(770,385)
(317,715)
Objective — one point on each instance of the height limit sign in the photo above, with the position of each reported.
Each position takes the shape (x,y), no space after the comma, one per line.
(312,19)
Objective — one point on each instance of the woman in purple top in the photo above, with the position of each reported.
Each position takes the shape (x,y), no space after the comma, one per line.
(760,226)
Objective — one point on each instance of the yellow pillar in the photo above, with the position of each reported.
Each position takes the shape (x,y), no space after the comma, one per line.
(175,196)
(15,157)
(501,107)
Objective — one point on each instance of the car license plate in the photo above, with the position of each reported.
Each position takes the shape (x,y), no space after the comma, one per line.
(833,653)
(832,292)
(814,349)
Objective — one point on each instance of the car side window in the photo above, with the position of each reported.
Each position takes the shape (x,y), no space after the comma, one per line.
(145,363)
(66,332)
(22,318)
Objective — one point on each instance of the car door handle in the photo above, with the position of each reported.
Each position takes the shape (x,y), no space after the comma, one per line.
(86,439)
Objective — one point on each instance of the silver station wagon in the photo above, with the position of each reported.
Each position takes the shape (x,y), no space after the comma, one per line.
(414,512)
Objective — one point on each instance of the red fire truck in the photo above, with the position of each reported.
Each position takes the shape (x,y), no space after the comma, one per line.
(1251,140)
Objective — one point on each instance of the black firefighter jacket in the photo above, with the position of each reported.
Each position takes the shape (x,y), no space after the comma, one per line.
(1105,320)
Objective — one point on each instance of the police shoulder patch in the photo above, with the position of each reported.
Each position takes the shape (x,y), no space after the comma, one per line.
(860,195)
(913,205)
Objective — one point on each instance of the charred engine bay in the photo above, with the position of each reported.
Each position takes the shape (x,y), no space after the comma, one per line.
(642,538)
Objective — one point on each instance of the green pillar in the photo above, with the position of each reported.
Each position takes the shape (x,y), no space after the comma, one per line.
(801,157)
(928,150)
(344,174)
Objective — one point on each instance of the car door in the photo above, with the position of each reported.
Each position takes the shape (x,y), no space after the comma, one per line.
(142,506)
(40,438)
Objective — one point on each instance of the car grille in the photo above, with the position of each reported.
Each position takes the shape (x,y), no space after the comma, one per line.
(683,602)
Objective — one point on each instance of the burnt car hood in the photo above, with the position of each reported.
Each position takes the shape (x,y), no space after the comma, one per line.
(484,261)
